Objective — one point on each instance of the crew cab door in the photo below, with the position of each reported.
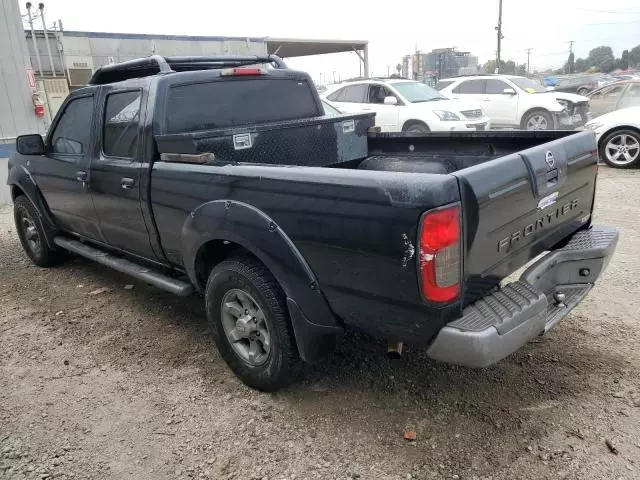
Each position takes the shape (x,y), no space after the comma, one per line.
(117,167)
(62,175)
(386,115)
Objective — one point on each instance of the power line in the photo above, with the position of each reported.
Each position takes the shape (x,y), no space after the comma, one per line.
(617,12)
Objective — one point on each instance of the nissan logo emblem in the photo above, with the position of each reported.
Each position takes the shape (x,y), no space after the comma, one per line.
(550,159)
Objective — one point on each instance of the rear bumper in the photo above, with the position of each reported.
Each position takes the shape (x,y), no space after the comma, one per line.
(500,323)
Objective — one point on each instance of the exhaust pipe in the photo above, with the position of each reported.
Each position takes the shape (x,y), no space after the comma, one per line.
(394,350)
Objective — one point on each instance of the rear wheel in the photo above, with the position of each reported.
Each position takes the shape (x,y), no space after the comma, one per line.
(247,312)
(32,236)
(621,149)
(583,91)
(415,127)
(538,120)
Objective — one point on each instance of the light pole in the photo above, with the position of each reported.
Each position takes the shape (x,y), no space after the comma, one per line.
(500,37)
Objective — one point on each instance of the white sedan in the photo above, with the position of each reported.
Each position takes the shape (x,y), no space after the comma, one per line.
(407,106)
(618,135)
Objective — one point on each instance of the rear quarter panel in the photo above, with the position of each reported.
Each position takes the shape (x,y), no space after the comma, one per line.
(356,230)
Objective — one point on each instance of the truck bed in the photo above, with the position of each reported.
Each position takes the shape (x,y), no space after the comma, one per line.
(355,222)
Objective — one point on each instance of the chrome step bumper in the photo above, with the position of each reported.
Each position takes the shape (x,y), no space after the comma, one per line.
(501,322)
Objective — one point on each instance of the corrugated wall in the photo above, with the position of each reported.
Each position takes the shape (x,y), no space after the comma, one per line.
(16,107)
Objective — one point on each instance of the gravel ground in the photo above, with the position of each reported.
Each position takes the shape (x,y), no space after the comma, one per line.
(126,384)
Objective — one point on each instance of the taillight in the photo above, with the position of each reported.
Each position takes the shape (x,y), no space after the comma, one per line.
(240,71)
(439,254)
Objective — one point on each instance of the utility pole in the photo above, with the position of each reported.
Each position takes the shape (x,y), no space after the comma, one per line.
(528,60)
(33,37)
(46,38)
(500,37)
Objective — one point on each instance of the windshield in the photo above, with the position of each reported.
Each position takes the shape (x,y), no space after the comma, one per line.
(528,85)
(416,92)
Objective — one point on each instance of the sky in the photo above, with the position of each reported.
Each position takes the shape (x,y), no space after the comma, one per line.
(393,29)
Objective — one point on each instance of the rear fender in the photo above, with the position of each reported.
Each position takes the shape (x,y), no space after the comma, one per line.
(19,178)
(255,231)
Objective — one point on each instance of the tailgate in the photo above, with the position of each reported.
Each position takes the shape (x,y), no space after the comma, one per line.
(516,207)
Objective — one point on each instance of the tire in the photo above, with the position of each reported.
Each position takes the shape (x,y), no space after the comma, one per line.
(583,91)
(620,149)
(32,236)
(415,127)
(538,120)
(246,306)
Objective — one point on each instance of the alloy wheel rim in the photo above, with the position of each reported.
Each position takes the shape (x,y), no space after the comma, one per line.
(245,326)
(537,122)
(622,149)
(31,234)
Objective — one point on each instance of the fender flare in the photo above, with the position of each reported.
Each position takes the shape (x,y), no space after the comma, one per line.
(19,177)
(254,230)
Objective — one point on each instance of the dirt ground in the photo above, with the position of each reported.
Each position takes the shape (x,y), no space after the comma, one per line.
(126,384)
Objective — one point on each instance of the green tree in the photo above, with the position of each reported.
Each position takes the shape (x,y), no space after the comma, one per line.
(634,57)
(602,58)
(623,62)
(521,69)
(580,65)
(509,67)
(569,67)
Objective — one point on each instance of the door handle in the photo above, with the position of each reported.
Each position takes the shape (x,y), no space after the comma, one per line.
(82,176)
(127,183)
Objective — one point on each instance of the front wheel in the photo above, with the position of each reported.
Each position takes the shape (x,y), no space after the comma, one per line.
(538,120)
(32,236)
(416,127)
(621,149)
(247,313)
(583,91)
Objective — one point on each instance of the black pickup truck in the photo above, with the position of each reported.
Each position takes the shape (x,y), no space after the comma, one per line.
(223,176)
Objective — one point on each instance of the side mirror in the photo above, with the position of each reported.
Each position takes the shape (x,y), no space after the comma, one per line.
(509,91)
(390,100)
(30,145)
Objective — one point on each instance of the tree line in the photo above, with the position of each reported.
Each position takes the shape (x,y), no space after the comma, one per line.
(600,59)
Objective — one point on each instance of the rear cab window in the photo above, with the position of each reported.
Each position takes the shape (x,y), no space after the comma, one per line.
(231,102)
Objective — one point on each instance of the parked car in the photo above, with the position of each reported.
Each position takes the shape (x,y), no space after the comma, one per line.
(614,96)
(407,106)
(520,102)
(330,109)
(618,137)
(582,83)
(178,179)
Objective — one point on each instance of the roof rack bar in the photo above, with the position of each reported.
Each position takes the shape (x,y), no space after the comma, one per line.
(227,59)
(136,64)
(143,67)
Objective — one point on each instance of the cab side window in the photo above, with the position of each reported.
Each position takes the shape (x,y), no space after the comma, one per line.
(377,94)
(495,87)
(72,134)
(121,119)
(470,87)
